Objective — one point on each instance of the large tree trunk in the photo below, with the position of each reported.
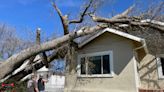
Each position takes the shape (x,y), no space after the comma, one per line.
(11,63)
(59,53)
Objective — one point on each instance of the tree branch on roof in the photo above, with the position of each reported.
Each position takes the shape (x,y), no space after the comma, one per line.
(120,19)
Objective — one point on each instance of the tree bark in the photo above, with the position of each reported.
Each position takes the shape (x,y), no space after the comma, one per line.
(21,73)
(131,22)
(17,59)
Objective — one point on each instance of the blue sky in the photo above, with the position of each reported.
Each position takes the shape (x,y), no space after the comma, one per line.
(30,14)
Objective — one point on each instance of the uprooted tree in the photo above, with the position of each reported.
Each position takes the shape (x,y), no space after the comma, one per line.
(61,47)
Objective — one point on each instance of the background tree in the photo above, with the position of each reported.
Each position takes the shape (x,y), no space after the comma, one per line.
(10,42)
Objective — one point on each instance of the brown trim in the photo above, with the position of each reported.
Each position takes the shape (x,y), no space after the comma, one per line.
(151,90)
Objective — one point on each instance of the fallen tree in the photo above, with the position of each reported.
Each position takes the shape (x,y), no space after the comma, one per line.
(119,21)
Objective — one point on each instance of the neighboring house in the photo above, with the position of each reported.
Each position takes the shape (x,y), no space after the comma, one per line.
(151,72)
(55,83)
(113,61)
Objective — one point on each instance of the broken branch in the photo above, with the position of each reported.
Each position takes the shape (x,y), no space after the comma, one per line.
(64,19)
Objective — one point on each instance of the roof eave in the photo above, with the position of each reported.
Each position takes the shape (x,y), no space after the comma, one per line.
(123,34)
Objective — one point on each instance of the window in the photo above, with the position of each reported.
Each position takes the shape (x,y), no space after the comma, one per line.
(97,64)
(160,65)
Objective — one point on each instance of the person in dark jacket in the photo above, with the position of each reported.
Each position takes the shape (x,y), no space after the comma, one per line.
(41,84)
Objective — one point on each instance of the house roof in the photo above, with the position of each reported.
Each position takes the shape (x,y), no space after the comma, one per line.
(123,34)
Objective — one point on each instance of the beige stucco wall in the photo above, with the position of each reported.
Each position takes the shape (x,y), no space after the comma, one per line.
(148,73)
(123,64)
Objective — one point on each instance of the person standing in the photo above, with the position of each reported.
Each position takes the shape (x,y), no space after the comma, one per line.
(41,84)
(32,84)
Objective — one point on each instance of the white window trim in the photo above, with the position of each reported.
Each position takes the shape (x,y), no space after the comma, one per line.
(159,69)
(96,54)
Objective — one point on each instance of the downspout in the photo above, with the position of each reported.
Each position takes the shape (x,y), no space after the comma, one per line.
(137,78)
(143,46)
(140,47)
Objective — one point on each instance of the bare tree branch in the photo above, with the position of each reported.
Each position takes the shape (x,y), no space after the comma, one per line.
(125,13)
(82,14)
(123,19)
(148,24)
(64,19)
(107,20)
(158,9)
(38,41)
(56,8)
(119,16)
(45,60)
(130,22)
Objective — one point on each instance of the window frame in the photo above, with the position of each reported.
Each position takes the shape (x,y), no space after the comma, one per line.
(110,53)
(159,68)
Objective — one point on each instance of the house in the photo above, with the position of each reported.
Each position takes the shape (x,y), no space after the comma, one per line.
(151,73)
(45,72)
(55,83)
(113,61)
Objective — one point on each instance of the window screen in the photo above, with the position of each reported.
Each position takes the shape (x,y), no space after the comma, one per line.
(94,65)
(99,64)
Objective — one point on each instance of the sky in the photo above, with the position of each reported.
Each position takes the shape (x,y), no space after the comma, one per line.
(31,14)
